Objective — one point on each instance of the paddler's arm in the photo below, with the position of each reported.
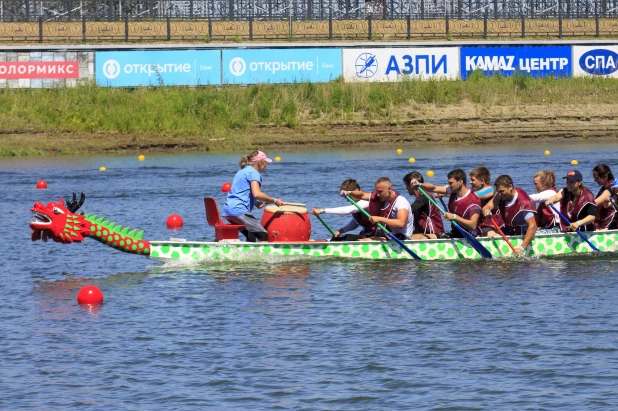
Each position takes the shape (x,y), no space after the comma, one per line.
(486,210)
(399,222)
(600,200)
(592,215)
(432,188)
(529,235)
(259,195)
(555,198)
(468,224)
(356,195)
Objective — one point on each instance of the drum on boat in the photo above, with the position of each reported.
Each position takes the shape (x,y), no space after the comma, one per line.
(287,223)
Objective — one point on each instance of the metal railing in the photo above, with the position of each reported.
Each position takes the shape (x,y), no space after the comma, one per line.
(299,10)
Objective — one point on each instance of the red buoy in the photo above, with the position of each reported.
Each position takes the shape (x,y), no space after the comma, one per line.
(226,187)
(174,221)
(41,185)
(90,294)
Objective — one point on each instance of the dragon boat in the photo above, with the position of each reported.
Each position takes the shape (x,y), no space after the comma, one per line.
(60,222)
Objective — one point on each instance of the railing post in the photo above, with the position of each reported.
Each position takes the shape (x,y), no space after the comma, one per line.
(40,29)
(250,28)
(83,29)
(523,26)
(169,29)
(559,20)
(447,27)
(190,9)
(330,24)
(596,23)
(210,27)
(408,36)
(369,28)
(485,25)
(422,9)
(110,10)
(126,27)
(27,4)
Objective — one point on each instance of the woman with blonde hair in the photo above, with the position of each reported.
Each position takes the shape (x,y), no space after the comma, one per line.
(246,193)
(547,219)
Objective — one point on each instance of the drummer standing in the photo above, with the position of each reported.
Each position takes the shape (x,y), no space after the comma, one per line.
(246,193)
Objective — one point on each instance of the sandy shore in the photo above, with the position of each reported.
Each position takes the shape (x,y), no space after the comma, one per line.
(465,123)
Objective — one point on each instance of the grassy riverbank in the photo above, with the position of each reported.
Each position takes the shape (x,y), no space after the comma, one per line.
(92,119)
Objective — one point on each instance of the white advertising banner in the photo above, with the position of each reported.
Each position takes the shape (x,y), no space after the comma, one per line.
(396,64)
(595,61)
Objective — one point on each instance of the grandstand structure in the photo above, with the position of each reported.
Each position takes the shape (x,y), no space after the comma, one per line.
(300,10)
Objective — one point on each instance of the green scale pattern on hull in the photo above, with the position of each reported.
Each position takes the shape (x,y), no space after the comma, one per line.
(542,245)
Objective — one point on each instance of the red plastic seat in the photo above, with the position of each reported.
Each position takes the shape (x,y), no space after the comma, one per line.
(222,231)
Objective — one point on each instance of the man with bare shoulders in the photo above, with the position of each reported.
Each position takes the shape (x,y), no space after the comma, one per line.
(387,207)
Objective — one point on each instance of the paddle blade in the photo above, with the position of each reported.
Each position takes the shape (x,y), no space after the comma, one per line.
(474,243)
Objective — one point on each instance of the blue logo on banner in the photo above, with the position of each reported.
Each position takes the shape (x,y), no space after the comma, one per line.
(366,65)
(153,68)
(281,65)
(536,61)
(599,61)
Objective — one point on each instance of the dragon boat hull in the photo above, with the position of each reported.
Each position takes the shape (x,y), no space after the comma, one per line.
(444,249)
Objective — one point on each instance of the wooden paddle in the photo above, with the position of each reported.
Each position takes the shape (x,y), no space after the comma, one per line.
(566,220)
(388,233)
(473,241)
(501,233)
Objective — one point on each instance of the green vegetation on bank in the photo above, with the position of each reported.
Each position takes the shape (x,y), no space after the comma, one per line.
(211,112)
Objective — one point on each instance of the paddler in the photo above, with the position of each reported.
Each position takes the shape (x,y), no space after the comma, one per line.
(547,220)
(576,202)
(464,207)
(606,216)
(387,207)
(246,193)
(480,183)
(427,219)
(518,211)
(358,219)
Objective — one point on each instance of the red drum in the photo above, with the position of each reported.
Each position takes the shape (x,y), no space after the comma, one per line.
(286,223)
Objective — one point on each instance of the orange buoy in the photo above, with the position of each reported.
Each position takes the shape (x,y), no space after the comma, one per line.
(174,221)
(226,187)
(41,185)
(90,294)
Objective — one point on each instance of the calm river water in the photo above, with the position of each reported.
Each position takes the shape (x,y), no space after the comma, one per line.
(314,335)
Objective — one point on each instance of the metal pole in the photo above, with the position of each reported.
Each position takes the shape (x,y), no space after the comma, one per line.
(83,29)
(40,29)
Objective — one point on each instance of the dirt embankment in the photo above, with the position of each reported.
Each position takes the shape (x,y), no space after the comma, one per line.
(464,123)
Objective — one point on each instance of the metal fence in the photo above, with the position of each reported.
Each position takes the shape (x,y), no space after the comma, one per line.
(298,10)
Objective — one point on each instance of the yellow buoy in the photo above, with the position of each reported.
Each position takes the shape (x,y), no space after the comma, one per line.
(574,162)
(399,151)
(102,168)
(141,157)
(277,158)
(411,160)
(547,152)
(430,173)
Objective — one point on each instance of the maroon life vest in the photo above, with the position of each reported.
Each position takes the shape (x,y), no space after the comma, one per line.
(572,209)
(605,216)
(428,223)
(375,207)
(545,217)
(486,221)
(464,206)
(522,204)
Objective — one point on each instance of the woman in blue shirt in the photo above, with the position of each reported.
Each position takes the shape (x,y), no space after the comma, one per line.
(246,193)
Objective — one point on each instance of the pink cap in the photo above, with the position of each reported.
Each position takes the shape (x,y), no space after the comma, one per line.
(261,156)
